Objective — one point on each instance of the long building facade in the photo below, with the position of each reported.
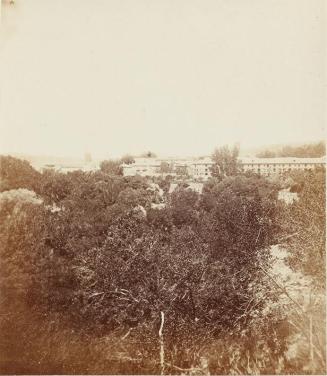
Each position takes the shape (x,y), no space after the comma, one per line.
(196,168)
(200,168)
(278,166)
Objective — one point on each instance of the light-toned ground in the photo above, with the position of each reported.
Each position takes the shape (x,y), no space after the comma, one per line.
(304,309)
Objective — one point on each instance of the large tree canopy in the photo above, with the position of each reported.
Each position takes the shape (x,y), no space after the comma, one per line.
(225,162)
(17,173)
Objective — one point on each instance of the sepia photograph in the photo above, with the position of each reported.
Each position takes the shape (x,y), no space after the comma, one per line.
(163,187)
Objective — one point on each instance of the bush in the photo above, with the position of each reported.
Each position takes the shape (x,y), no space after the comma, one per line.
(86,286)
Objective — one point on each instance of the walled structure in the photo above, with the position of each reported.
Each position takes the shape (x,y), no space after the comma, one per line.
(278,166)
(196,168)
(201,168)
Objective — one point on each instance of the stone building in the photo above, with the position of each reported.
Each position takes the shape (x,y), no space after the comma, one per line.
(278,166)
(199,168)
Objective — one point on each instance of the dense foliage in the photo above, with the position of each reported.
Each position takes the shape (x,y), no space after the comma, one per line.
(16,173)
(90,268)
(304,225)
(112,167)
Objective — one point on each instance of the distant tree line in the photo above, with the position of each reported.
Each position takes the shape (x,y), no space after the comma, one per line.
(314,150)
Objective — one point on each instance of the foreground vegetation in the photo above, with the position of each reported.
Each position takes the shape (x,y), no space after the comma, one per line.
(95,280)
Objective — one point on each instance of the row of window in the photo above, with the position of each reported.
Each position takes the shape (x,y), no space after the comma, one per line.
(253,165)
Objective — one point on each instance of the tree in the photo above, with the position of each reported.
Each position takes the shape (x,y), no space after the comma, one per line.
(127,159)
(96,277)
(22,252)
(266,154)
(17,173)
(130,197)
(314,150)
(183,204)
(225,162)
(55,186)
(244,211)
(307,150)
(165,168)
(303,224)
(199,267)
(111,167)
(149,154)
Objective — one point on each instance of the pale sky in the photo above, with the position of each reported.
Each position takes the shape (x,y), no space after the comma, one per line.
(177,77)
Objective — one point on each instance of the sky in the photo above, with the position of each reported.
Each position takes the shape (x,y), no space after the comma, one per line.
(178,77)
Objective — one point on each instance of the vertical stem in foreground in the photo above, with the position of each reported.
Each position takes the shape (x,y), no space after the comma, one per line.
(312,365)
(310,332)
(162,350)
